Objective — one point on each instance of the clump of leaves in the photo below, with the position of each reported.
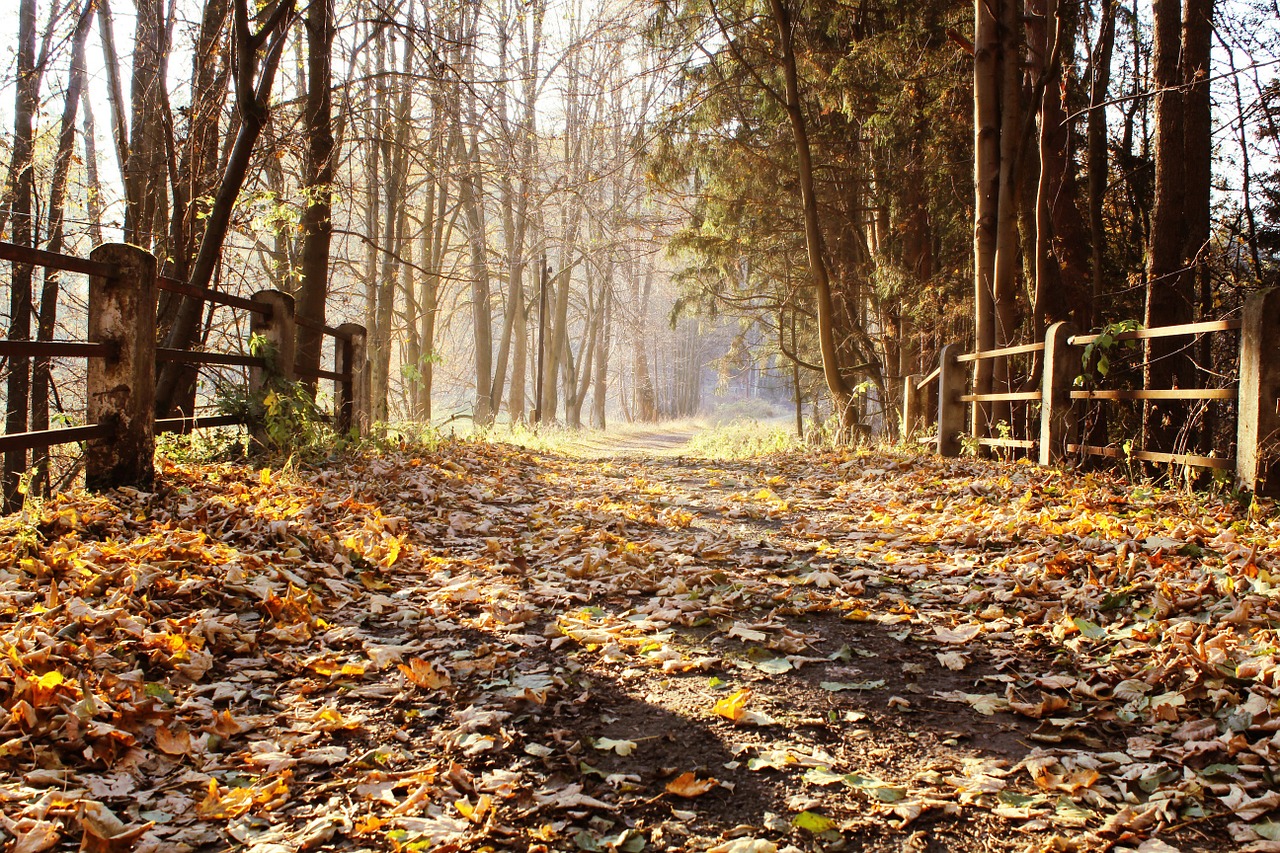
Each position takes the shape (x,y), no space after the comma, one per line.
(282,416)
(1096,358)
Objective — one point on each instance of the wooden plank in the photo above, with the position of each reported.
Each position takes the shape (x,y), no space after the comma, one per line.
(1164,332)
(1156,456)
(308,373)
(1002,351)
(321,328)
(1158,394)
(58,349)
(191,357)
(930,379)
(186,425)
(217,297)
(51,437)
(39,257)
(1010,397)
(1017,443)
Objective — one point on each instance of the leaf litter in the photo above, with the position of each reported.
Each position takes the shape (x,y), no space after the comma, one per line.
(479,647)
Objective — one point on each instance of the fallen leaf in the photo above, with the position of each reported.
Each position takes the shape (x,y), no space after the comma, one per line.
(688,785)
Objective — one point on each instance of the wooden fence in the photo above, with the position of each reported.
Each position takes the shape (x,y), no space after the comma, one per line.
(1256,393)
(122,354)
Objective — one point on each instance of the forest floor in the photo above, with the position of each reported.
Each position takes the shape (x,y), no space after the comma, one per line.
(481,647)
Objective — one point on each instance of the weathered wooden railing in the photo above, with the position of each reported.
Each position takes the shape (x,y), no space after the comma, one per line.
(122,356)
(1257,397)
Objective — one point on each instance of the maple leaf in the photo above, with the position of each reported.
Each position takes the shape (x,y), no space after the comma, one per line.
(688,785)
(424,674)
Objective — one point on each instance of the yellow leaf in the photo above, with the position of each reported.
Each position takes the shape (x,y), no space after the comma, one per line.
(50,680)
(394,545)
(731,707)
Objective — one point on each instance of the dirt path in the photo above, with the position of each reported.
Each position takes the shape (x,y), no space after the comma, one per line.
(480,647)
(635,442)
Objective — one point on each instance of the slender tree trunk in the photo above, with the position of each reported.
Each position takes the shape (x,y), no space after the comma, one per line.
(20,190)
(1099,85)
(317,224)
(93,189)
(986,124)
(40,374)
(601,384)
(646,405)
(252,97)
(841,394)
(145,167)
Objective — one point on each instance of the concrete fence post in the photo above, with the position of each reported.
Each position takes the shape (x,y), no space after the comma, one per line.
(912,406)
(353,393)
(278,328)
(953,378)
(120,390)
(1258,401)
(1058,424)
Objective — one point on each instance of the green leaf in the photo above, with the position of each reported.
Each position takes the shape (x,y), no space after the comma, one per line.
(586,841)
(775,666)
(159,691)
(1220,770)
(1020,801)
(1092,630)
(1071,814)
(844,653)
(837,686)
(875,788)
(822,776)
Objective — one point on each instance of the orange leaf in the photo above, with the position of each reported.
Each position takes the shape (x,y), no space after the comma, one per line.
(423,674)
(173,742)
(689,785)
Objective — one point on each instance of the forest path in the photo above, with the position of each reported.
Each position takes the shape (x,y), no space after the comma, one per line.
(637,441)
(482,646)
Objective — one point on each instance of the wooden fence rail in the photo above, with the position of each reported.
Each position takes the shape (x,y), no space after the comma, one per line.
(122,355)
(1257,395)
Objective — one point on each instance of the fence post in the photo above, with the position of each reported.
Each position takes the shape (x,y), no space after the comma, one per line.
(120,390)
(912,406)
(352,404)
(1258,403)
(1061,367)
(278,328)
(952,380)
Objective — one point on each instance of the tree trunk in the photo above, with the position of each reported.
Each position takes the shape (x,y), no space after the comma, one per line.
(1179,216)
(145,173)
(252,98)
(48,318)
(93,188)
(20,190)
(1097,157)
(601,384)
(986,125)
(317,225)
(841,394)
